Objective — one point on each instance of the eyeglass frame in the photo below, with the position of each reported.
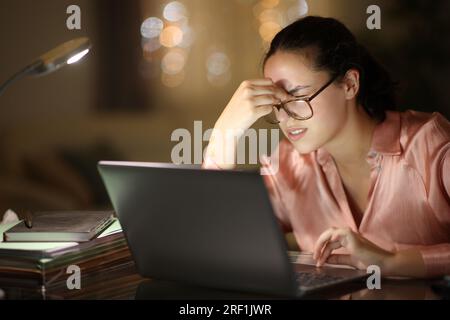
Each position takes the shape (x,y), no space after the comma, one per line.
(306,99)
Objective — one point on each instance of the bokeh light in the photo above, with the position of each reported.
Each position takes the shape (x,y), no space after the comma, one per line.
(258,9)
(171,36)
(174,11)
(150,45)
(217,63)
(152,27)
(173,62)
(271,15)
(268,30)
(188,37)
(296,11)
(166,43)
(218,67)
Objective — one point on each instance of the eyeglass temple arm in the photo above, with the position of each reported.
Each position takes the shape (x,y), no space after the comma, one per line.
(322,88)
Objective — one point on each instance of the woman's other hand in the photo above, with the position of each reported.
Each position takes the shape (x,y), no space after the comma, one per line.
(363,253)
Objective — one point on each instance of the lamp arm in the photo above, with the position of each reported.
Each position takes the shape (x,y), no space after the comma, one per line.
(28,70)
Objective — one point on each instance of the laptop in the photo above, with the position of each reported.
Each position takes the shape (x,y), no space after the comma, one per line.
(211,228)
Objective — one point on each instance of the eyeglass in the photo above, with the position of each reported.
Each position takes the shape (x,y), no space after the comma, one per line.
(298,108)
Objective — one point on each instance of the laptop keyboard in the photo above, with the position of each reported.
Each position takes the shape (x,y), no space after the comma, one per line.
(312,280)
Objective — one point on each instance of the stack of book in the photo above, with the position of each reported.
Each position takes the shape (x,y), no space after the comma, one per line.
(104,264)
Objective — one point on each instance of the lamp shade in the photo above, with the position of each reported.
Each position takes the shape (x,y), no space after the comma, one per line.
(66,53)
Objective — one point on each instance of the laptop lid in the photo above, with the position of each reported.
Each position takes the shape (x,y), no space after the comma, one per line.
(213,228)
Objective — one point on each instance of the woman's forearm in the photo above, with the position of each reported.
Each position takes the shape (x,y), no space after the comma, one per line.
(406,263)
(222,147)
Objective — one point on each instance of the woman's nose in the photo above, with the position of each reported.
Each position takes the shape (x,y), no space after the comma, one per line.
(282,115)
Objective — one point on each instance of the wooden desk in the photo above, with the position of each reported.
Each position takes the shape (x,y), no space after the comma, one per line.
(123,282)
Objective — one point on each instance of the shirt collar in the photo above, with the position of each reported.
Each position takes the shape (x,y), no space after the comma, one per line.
(386,136)
(385,139)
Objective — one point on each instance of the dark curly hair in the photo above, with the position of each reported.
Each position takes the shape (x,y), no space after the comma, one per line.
(336,50)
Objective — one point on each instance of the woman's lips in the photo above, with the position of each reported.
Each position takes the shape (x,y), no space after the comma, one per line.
(295,134)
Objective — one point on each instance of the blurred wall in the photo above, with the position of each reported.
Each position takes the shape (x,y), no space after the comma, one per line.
(29,28)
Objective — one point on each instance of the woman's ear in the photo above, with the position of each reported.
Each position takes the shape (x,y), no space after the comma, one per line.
(351,84)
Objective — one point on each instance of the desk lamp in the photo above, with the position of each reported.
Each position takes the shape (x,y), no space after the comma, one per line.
(66,53)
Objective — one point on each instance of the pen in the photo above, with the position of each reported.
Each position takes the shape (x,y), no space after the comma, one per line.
(28,220)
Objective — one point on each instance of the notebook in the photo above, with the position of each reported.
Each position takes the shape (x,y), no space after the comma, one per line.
(61,226)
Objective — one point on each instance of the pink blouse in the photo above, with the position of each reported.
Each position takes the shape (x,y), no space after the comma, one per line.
(409,197)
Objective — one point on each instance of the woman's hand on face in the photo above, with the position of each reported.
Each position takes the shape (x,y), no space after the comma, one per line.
(252,100)
(361,252)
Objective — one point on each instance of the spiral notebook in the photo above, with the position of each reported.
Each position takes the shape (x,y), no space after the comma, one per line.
(61,226)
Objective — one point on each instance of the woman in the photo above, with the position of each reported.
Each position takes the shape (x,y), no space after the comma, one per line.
(357,184)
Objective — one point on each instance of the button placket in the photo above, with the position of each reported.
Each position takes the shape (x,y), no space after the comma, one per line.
(338,191)
(374,160)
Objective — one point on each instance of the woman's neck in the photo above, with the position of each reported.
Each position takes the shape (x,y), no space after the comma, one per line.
(350,147)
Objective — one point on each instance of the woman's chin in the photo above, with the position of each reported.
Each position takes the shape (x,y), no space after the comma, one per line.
(304,147)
